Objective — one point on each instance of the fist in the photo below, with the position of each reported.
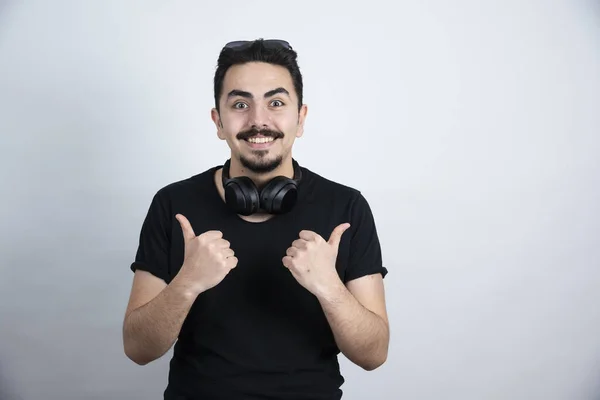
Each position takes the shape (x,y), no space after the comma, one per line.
(311,260)
(208,257)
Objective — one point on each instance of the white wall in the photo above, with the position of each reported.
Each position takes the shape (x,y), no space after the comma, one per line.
(473,128)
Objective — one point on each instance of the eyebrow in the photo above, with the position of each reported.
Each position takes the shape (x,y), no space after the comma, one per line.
(248,95)
(276,91)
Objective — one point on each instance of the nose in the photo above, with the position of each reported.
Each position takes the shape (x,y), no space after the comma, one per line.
(259,118)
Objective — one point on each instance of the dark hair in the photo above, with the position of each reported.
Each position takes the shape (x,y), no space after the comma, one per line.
(257,51)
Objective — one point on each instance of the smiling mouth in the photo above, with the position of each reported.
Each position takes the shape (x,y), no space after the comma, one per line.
(260,139)
(260,142)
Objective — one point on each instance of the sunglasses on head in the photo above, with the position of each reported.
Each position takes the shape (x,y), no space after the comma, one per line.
(270,43)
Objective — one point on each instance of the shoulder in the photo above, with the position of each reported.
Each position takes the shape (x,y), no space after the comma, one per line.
(187,188)
(325,190)
(182,195)
(339,202)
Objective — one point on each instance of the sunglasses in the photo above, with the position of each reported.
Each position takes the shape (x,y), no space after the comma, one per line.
(270,43)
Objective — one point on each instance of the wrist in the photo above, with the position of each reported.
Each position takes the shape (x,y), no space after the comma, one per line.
(187,287)
(332,291)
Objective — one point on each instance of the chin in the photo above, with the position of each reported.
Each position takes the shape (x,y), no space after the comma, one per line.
(261,163)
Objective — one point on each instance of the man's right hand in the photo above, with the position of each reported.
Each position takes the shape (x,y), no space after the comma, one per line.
(208,257)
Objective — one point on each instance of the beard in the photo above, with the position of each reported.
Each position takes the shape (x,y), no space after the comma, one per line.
(259,163)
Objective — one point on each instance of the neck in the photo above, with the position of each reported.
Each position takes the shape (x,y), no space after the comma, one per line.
(260,179)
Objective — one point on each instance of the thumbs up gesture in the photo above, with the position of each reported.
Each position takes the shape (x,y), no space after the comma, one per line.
(208,257)
(311,259)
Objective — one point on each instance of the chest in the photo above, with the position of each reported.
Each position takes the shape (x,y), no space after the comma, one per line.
(260,290)
(260,246)
(260,279)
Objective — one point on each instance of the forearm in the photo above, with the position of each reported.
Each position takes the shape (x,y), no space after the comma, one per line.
(361,335)
(150,330)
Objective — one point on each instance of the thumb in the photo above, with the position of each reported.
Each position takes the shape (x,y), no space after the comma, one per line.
(336,235)
(186,227)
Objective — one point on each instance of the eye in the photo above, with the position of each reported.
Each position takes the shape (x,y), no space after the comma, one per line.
(240,105)
(277,103)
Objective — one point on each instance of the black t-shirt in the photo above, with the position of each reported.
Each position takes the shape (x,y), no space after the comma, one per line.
(258,334)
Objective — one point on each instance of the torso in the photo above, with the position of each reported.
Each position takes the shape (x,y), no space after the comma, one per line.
(258,329)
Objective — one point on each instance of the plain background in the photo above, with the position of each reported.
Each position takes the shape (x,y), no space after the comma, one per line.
(472,127)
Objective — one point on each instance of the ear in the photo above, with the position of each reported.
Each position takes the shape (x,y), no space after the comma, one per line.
(214,115)
(301,118)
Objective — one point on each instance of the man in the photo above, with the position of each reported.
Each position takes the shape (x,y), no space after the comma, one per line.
(260,271)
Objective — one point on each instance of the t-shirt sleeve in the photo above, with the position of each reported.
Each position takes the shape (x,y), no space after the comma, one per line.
(154,241)
(365,250)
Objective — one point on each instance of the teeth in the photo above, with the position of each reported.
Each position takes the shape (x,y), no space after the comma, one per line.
(260,140)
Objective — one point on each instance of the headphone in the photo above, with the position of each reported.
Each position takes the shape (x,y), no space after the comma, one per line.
(278,196)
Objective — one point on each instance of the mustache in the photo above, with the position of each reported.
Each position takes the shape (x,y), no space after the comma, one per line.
(253,132)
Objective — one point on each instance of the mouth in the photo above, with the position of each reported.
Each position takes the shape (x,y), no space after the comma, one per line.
(260,142)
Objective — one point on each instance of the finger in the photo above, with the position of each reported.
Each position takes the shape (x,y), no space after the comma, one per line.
(231,262)
(287,261)
(186,227)
(309,235)
(292,251)
(336,235)
(228,253)
(211,235)
(300,244)
(223,244)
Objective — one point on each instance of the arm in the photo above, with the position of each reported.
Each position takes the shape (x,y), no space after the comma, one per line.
(156,311)
(356,313)
(358,318)
(154,316)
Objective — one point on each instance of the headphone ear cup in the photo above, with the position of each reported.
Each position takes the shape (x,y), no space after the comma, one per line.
(279,195)
(242,196)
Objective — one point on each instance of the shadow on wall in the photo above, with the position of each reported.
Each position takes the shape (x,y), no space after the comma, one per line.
(595,4)
(594,393)
(5,6)
(6,388)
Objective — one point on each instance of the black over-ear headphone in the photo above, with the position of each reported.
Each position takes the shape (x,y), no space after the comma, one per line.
(278,196)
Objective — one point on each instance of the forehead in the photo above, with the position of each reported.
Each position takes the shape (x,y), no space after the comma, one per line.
(257,78)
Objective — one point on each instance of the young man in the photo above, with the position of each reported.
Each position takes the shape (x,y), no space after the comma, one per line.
(260,271)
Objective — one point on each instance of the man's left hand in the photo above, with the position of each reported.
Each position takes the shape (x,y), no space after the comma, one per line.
(311,260)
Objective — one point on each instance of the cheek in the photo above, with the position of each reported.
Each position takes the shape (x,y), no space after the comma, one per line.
(289,125)
(232,126)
